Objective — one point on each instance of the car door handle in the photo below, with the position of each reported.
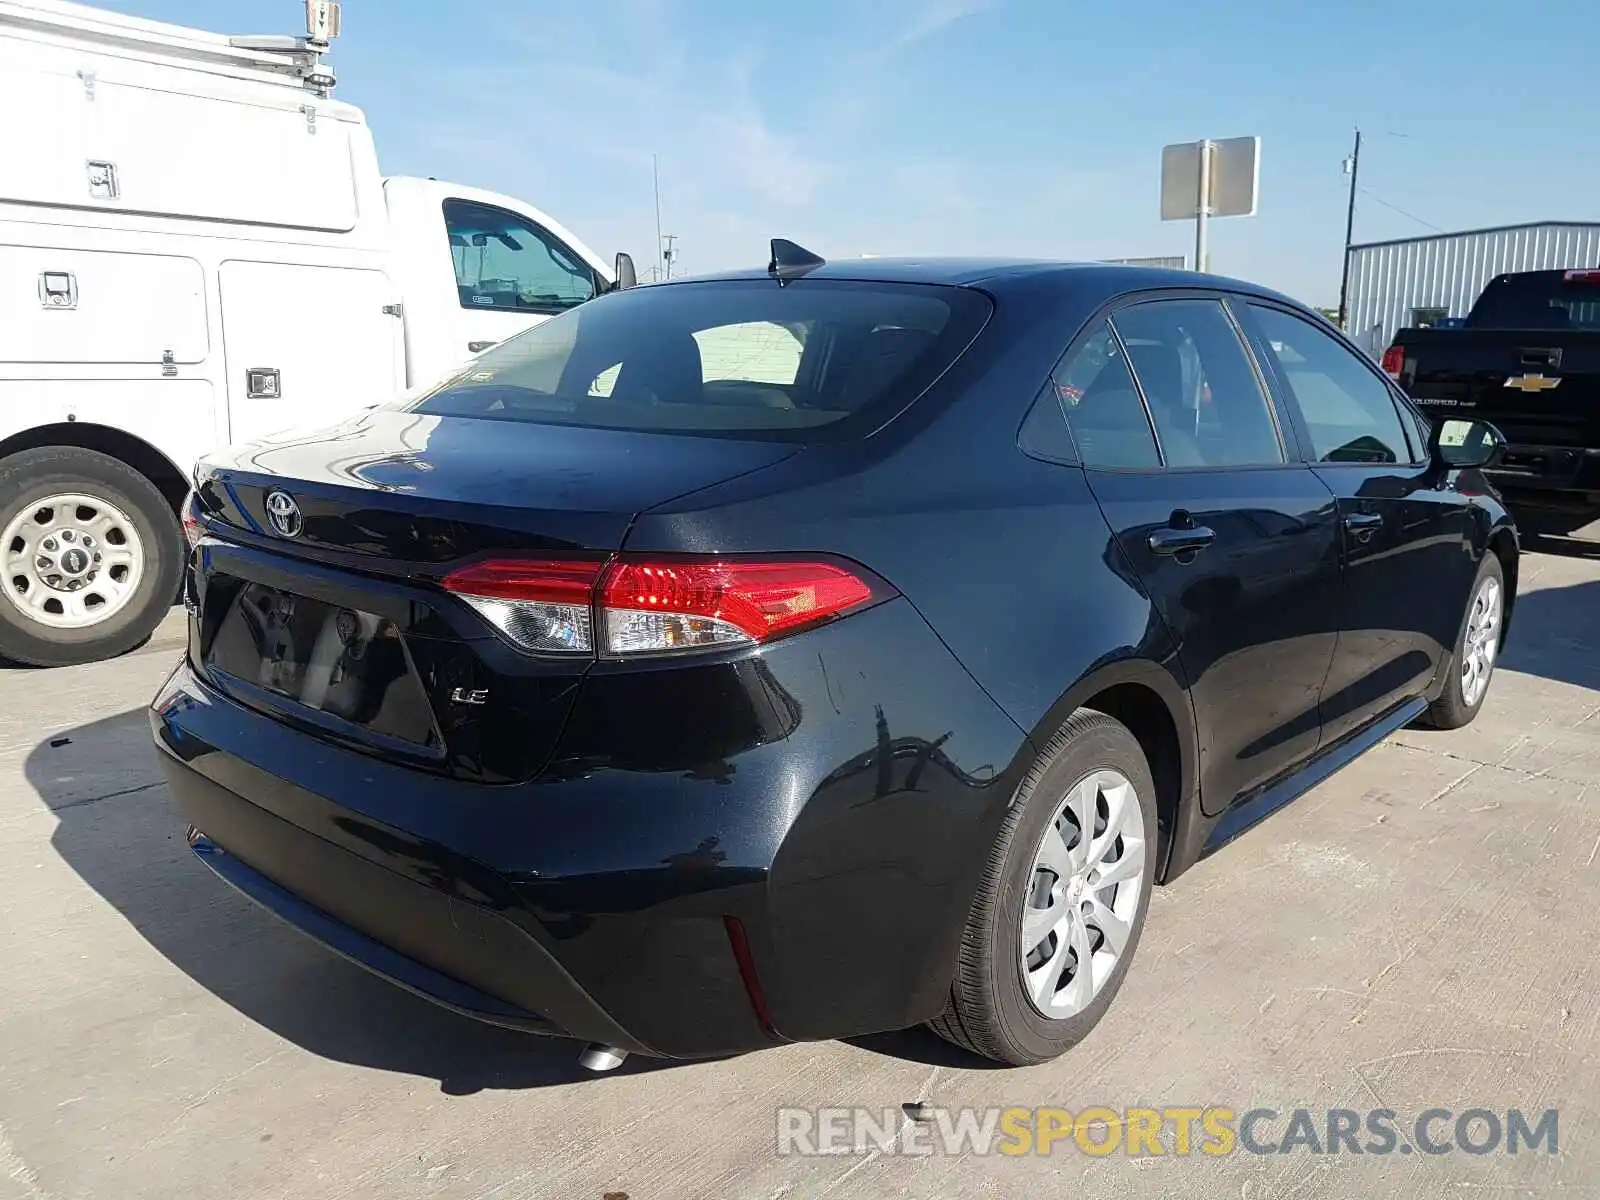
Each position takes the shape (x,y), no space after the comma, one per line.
(479,347)
(1181,541)
(1363,525)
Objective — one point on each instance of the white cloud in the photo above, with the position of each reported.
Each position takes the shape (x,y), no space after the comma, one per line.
(932,16)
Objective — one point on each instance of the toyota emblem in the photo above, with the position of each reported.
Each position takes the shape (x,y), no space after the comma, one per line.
(284,514)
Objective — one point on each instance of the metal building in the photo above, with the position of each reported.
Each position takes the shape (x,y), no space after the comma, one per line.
(1417,281)
(1171,262)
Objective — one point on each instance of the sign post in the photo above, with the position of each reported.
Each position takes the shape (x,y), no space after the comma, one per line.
(1201,180)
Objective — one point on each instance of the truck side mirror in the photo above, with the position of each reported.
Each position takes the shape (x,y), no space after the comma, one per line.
(627,277)
(1457,443)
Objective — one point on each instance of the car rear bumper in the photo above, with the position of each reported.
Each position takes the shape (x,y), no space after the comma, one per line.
(809,885)
(413,936)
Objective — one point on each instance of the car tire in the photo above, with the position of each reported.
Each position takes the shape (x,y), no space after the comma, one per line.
(60,507)
(994,1008)
(1460,701)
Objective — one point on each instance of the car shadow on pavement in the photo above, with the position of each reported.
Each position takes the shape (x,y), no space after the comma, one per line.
(1555,634)
(119,829)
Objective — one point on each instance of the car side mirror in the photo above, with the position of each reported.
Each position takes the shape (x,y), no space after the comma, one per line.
(627,277)
(1457,443)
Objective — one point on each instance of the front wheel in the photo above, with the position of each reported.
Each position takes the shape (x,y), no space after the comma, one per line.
(1477,648)
(90,555)
(1059,911)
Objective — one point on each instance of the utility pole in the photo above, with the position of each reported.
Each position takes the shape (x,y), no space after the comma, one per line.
(668,254)
(1352,166)
(655,169)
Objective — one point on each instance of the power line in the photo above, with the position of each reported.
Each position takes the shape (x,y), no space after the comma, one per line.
(1371,195)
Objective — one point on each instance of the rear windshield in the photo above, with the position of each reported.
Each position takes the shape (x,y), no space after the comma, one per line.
(1538,301)
(813,360)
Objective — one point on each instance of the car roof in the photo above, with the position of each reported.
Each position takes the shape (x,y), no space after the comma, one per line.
(997,274)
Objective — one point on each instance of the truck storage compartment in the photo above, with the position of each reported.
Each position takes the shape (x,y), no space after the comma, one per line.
(100,306)
(121,146)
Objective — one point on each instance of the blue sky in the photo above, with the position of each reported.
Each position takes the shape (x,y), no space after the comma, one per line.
(1029,127)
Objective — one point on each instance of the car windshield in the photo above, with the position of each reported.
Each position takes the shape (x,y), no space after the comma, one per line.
(812,360)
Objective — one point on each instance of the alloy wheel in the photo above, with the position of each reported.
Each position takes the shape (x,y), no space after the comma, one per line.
(1083,894)
(1482,641)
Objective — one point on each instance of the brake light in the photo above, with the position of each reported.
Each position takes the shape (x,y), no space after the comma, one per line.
(1393,361)
(544,606)
(655,606)
(1582,276)
(189,518)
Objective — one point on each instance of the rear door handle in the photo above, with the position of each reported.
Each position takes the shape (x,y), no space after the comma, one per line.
(1181,541)
(1363,525)
(479,347)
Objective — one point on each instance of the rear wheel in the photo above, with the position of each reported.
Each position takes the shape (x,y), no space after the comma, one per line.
(90,554)
(1477,649)
(1059,911)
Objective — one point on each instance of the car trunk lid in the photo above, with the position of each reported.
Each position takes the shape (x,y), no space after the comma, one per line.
(326,612)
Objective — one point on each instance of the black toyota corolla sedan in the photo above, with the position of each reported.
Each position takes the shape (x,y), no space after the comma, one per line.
(820,650)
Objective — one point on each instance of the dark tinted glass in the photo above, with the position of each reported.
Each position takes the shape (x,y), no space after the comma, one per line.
(505,261)
(1542,300)
(1103,408)
(1203,394)
(814,359)
(1347,409)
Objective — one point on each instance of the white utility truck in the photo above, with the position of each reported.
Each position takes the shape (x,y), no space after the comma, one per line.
(196,248)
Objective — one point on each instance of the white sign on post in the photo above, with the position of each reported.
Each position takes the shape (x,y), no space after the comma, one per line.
(1201,180)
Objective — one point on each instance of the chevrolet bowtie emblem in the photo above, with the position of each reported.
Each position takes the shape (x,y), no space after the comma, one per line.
(1532,383)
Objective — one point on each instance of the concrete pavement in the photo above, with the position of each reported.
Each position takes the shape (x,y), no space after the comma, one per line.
(1420,931)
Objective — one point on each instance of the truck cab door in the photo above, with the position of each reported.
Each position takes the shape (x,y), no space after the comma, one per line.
(511,273)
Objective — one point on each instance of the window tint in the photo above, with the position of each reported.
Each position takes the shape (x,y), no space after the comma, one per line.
(1103,408)
(505,261)
(1347,409)
(731,357)
(1204,398)
(1539,300)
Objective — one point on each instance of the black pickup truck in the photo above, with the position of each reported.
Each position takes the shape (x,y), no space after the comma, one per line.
(1527,359)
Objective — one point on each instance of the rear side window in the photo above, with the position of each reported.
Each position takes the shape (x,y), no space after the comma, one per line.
(504,261)
(1348,411)
(1205,400)
(814,360)
(1103,408)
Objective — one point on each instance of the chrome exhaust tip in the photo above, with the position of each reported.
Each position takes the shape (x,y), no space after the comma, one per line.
(596,1057)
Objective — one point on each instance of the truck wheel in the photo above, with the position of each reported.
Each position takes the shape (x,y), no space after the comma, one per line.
(90,555)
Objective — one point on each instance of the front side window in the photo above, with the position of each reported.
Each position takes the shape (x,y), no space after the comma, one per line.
(503,261)
(1103,408)
(727,357)
(1205,400)
(1348,411)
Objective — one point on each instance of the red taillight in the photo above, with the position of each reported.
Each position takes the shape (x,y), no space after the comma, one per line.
(189,518)
(652,607)
(1586,275)
(655,606)
(549,582)
(1393,361)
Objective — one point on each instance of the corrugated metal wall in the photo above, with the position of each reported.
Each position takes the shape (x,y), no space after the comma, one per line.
(1389,279)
